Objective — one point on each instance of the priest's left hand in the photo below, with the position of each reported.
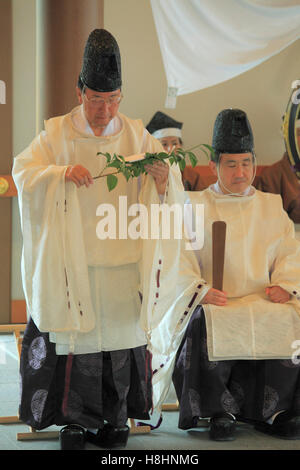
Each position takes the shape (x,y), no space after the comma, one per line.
(160,173)
(277,294)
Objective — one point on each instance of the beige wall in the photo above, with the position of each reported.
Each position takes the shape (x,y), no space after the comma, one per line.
(262,92)
(5,153)
(24,104)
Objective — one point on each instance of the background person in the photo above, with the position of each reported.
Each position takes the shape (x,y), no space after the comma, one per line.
(167,130)
(281,178)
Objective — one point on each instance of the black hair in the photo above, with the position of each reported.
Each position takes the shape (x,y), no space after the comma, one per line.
(215,156)
(80,83)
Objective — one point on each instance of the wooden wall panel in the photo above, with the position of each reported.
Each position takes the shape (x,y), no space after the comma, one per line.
(64,26)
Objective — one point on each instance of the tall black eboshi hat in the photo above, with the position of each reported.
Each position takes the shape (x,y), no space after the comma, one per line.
(232,132)
(101,67)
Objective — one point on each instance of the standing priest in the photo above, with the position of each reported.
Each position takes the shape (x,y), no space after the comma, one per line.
(84,361)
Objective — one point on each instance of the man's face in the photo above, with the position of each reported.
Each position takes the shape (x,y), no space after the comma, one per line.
(235,172)
(99,113)
(170,143)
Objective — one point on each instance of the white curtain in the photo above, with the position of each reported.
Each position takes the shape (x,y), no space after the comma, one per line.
(205,42)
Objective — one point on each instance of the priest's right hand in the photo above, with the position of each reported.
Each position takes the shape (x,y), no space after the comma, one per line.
(215,297)
(79,175)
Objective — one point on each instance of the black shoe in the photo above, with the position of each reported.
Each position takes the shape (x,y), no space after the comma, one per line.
(109,436)
(72,437)
(222,427)
(286,425)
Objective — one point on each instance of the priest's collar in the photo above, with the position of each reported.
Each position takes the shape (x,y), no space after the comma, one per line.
(217,189)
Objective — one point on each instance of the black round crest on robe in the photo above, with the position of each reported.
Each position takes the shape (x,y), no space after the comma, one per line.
(162,121)
(232,132)
(101,67)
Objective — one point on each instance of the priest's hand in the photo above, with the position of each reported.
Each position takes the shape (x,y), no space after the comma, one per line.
(277,294)
(160,173)
(215,297)
(79,175)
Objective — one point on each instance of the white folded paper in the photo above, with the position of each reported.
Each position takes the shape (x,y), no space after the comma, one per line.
(135,158)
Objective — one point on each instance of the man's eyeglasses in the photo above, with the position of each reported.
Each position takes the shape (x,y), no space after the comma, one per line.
(98,100)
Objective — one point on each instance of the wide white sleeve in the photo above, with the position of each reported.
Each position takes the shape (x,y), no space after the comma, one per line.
(173,287)
(179,293)
(285,271)
(53,278)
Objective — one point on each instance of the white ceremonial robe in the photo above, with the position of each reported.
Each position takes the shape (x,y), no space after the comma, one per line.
(261,251)
(81,289)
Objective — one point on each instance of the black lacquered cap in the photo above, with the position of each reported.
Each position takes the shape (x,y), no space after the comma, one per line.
(162,121)
(232,132)
(101,67)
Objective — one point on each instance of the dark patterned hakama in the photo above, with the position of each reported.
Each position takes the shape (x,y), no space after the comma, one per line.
(251,390)
(85,389)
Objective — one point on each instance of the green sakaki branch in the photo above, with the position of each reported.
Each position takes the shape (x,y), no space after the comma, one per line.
(132,169)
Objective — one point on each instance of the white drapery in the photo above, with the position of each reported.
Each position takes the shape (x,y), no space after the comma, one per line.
(206,42)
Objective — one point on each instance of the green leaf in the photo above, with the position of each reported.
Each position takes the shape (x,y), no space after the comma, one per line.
(208,147)
(111,181)
(211,150)
(137,170)
(162,155)
(193,159)
(115,164)
(127,173)
(182,164)
(107,155)
(181,152)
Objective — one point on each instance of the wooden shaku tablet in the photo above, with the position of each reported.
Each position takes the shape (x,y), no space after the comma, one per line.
(218,252)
